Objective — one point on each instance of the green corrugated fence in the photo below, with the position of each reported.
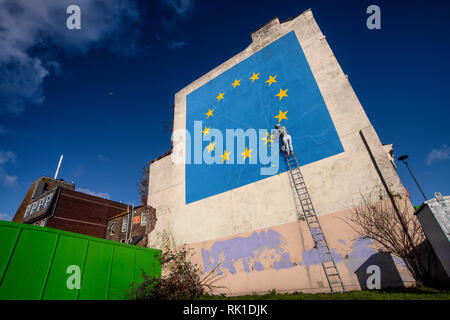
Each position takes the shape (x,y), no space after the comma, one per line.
(45,263)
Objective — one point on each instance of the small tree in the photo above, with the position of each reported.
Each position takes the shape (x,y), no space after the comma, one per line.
(180,279)
(143,184)
(395,228)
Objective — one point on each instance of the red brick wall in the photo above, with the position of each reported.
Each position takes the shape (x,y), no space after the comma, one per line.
(83,213)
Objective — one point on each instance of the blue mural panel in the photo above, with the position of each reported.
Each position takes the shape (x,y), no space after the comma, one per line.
(275,85)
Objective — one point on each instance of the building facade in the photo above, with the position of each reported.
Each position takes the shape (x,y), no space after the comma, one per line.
(56,204)
(240,214)
(132,226)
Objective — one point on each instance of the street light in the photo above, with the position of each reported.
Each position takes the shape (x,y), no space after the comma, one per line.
(402,159)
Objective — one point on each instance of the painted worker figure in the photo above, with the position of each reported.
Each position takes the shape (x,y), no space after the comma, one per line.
(286,140)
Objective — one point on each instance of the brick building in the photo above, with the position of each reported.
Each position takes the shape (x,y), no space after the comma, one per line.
(56,204)
(134,225)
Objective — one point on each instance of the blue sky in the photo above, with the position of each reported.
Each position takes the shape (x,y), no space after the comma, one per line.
(55,83)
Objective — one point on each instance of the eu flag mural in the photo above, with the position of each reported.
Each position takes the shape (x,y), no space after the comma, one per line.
(230,121)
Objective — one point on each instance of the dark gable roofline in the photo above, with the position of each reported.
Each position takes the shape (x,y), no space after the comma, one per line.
(133,209)
(160,157)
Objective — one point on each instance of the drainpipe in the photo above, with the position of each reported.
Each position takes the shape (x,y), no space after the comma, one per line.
(130,225)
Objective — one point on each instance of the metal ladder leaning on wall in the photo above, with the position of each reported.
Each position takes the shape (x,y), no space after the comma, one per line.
(328,264)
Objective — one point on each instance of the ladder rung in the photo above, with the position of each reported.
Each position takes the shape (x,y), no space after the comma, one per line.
(312,220)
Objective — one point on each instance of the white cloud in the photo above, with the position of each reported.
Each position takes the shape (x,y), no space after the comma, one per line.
(9,181)
(6,217)
(442,153)
(178,44)
(102,158)
(181,7)
(180,10)
(93,193)
(6,158)
(28,25)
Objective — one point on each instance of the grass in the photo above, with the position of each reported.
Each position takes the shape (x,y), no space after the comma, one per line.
(386,294)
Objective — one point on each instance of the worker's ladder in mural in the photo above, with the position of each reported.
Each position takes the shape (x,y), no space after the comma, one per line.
(320,243)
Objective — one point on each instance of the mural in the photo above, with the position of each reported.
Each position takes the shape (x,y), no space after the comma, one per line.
(261,250)
(274,85)
(269,250)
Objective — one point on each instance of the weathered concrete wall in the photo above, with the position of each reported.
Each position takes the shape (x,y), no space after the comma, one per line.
(335,183)
(283,257)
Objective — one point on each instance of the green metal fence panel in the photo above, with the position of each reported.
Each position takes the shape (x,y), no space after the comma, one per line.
(121,273)
(97,271)
(29,265)
(44,263)
(71,251)
(8,240)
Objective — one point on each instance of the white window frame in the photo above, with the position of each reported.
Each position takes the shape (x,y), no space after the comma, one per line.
(144,221)
(33,208)
(112,229)
(27,211)
(47,201)
(125,224)
(41,204)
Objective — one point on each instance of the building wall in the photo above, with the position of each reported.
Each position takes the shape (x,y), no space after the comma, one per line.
(37,187)
(335,183)
(83,213)
(135,229)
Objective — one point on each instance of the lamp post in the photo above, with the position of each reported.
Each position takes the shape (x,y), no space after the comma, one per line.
(402,159)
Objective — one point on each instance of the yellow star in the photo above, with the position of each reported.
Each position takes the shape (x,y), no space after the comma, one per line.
(268,138)
(246,153)
(225,156)
(210,147)
(220,96)
(206,131)
(254,76)
(271,80)
(210,113)
(236,83)
(281,116)
(282,93)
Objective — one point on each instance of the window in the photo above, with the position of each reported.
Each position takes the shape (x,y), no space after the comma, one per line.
(41,202)
(27,211)
(47,201)
(144,219)
(33,208)
(112,228)
(122,240)
(124,224)
(43,222)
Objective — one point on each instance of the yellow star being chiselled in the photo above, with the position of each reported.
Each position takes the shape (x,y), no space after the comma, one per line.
(281,116)
(220,96)
(247,153)
(254,76)
(271,80)
(225,156)
(268,138)
(210,147)
(210,113)
(206,131)
(236,83)
(282,93)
